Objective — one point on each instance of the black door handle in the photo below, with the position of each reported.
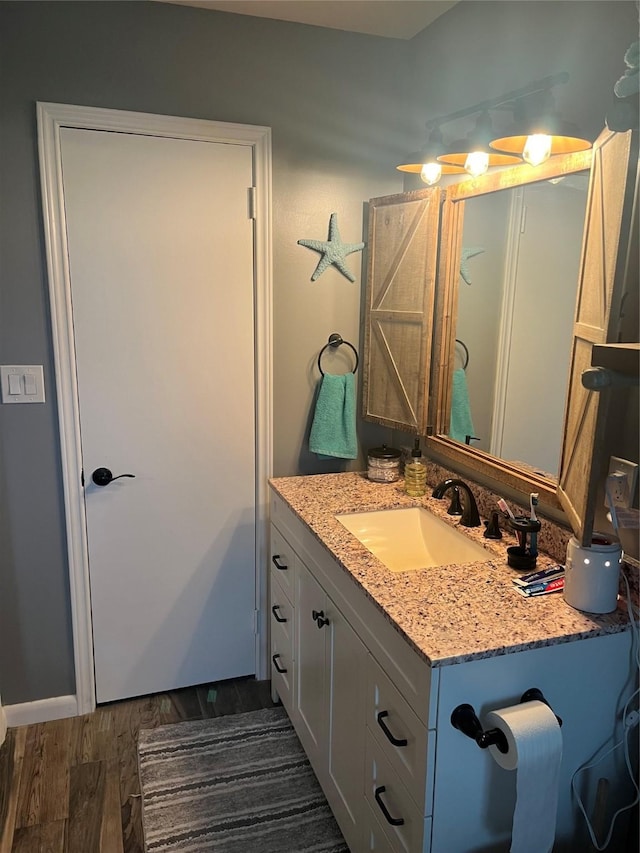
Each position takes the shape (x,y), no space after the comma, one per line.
(103,476)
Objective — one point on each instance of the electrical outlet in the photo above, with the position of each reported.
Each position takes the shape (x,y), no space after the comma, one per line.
(621,481)
(632,719)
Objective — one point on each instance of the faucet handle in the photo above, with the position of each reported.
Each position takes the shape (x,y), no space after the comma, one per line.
(493,528)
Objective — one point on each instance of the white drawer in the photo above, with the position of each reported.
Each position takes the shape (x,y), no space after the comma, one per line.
(400,735)
(403,822)
(281,658)
(281,610)
(283,559)
(282,671)
(375,838)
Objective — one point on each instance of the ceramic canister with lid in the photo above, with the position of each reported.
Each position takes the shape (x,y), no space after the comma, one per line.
(383,464)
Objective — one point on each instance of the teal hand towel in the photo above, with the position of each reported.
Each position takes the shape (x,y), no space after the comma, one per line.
(333,431)
(461,422)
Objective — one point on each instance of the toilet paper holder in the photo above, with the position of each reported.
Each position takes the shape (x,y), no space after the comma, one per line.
(464,718)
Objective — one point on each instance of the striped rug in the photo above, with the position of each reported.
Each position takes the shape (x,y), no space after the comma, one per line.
(232,784)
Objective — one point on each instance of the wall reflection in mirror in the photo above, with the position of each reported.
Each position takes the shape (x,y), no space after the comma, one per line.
(516,302)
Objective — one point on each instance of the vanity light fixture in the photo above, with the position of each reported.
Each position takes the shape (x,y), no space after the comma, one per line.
(425,162)
(538,133)
(474,153)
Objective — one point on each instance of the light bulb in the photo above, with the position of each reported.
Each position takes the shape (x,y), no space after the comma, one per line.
(477,163)
(537,149)
(431,173)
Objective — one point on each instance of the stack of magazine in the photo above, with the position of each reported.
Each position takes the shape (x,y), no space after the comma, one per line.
(540,583)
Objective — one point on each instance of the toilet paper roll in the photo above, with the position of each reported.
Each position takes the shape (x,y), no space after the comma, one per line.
(535,752)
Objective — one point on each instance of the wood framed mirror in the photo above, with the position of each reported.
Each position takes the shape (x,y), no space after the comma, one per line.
(418,334)
(509,268)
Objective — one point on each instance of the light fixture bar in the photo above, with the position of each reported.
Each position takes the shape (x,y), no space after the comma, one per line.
(501,100)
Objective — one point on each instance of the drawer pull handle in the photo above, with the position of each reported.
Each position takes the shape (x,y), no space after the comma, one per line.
(396,741)
(278,565)
(320,618)
(279,618)
(394,821)
(277,665)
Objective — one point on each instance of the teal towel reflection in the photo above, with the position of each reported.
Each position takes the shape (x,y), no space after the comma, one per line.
(461,421)
(333,431)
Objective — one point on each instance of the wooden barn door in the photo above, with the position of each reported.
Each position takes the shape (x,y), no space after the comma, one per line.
(403,248)
(600,295)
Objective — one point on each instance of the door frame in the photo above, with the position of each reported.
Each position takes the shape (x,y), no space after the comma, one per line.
(51,118)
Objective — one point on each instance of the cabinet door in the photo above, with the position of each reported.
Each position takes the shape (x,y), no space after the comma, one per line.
(346,682)
(310,672)
(403,248)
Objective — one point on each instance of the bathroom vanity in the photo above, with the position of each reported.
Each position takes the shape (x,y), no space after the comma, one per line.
(369,664)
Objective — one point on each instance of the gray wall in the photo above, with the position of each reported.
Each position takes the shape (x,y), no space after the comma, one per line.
(343,108)
(480,50)
(334,102)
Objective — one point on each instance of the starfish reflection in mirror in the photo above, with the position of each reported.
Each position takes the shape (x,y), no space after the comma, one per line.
(471,252)
(334,251)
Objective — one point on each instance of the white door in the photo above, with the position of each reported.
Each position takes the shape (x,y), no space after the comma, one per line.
(160,252)
(540,334)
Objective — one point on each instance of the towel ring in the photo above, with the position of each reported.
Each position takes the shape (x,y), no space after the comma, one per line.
(466,353)
(335,340)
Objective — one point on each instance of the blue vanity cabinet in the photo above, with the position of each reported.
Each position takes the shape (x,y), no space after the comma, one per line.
(586,682)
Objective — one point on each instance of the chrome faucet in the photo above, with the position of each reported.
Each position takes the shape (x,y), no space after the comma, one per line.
(470,515)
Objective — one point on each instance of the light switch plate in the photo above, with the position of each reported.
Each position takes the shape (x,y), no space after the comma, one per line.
(18,379)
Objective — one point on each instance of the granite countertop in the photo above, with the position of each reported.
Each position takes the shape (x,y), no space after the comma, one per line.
(449,614)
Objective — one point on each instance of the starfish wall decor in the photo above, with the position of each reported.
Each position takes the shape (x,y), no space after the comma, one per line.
(471,252)
(333,251)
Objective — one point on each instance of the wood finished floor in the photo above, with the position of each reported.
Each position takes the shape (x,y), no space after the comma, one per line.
(71,786)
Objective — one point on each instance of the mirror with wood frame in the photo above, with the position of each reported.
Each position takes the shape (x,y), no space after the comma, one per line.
(510,253)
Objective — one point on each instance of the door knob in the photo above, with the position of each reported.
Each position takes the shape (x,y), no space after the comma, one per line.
(103,476)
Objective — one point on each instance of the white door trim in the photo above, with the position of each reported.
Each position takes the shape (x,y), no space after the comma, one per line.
(51,118)
(507,308)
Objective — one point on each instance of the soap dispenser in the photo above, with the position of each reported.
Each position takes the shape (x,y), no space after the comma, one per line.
(415,473)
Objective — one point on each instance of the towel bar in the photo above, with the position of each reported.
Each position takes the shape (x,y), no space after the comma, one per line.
(466,353)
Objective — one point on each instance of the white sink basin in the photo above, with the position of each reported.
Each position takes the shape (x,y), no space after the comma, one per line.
(411,538)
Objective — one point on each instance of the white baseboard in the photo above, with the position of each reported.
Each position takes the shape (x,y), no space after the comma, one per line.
(41,711)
